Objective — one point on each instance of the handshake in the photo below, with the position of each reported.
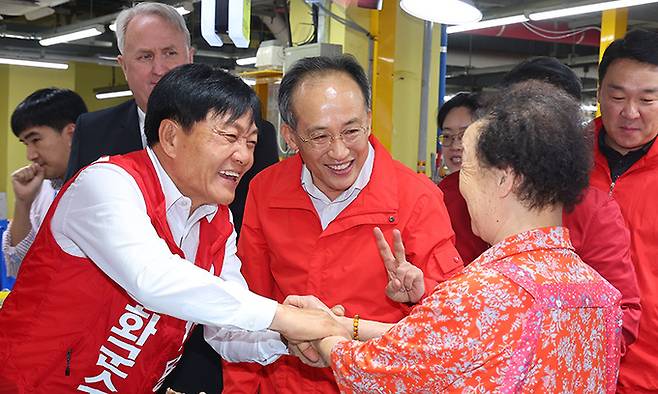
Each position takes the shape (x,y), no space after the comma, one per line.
(305,322)
(311,328)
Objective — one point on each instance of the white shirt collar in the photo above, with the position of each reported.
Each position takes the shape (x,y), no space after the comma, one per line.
(173,196)
(141,116)
(361,181)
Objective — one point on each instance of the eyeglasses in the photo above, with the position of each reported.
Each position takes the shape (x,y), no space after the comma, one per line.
(322,141)
(448,140)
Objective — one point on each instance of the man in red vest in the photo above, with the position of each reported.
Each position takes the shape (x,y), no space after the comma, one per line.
(137,249)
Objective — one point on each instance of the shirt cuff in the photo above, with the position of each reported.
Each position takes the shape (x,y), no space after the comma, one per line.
(256,313)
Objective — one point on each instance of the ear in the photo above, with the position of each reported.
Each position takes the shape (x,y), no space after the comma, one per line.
(169,133)
(506,181)
(598,95)
(191,53)
(122,64)
(369,122)
(67,132)
(289,136)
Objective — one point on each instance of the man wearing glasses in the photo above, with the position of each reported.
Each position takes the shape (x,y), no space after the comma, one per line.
(309,220)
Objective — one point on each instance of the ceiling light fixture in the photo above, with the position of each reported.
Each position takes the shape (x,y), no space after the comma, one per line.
(109,95)
(586,9)
(73,36)
(449,12)
(508,20)
(245,61)
(34,63)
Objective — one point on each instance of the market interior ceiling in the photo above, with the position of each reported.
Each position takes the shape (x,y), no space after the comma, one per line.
(475,59)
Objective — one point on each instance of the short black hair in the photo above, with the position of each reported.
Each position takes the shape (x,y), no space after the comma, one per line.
(314,66)
(547,69)
(537,130)
(462,99)
(638,45)
(51,107)
(189,93)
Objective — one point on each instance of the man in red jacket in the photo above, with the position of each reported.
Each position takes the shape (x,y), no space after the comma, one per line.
(626,168)
(309,220)
(596,225)
(137,249)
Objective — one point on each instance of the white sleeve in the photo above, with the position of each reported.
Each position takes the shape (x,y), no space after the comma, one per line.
(14,255)
(236,345)
(263,347)
(103,216)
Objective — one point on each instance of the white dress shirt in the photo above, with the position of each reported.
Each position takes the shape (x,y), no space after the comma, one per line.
(141,116)
(328,210)
(14,255)
(102,216)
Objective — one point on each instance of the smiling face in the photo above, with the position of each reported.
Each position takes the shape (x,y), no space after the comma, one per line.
(152,47)
(49,148)
(208,161)
(629,104)
(330,104)
(454,125)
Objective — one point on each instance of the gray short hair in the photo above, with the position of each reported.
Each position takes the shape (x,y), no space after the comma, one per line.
(164,11)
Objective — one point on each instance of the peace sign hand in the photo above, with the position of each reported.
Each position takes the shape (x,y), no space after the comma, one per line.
(405,281)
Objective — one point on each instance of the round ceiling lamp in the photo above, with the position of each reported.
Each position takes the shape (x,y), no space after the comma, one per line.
(448,12)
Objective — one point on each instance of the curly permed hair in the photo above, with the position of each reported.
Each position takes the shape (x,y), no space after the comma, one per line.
(539,132)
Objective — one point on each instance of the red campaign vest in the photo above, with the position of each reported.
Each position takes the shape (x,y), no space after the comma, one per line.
(67,327)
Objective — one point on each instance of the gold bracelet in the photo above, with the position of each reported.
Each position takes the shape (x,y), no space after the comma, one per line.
(355,328)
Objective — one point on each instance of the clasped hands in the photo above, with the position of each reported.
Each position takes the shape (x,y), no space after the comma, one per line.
(312,328)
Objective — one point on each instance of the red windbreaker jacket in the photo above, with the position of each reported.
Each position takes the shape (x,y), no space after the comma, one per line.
(285,251)
(636,191)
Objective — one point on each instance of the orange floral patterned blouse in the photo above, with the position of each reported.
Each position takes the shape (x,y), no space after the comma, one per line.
(526,316)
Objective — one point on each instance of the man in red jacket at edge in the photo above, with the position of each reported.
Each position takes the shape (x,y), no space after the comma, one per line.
(136,249)
(626,167)
(309,220)
(596,225)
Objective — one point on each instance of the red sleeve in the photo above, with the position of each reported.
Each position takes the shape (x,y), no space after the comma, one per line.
(429,241)
(253,252)
(600,236)
(469,245)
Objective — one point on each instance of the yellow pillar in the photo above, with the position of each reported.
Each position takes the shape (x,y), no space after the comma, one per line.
(382,99)
(398,81)
(613,26)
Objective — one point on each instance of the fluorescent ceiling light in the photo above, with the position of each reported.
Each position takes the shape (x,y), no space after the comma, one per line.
(109,95)
(450,12)
(73,36)
(113,26)
(586,9)
(34,63)
(245,61)
(508,20)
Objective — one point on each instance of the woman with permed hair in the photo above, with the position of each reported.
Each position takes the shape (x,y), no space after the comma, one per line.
(528,315)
